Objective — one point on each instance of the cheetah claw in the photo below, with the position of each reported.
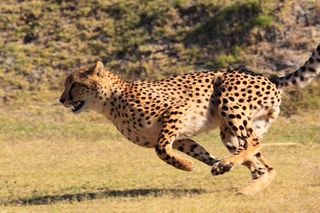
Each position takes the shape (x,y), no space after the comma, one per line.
(221,167)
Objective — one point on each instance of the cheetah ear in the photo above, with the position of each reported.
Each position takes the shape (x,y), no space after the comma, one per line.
(98,68)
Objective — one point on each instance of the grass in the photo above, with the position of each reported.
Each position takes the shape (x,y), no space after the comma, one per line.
(262,20)
(41,40)
(84,166)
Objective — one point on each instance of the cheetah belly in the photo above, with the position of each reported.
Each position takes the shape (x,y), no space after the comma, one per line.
(260,127)
(146,136)
(262,120)
(149,135)
(195,123)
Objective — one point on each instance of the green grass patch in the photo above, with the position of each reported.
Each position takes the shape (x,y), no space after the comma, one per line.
(262,20)
(17,129)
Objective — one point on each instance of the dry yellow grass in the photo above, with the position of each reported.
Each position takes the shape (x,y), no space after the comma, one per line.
(109,174)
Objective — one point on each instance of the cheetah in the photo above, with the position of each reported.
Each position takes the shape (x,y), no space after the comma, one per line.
(164,114)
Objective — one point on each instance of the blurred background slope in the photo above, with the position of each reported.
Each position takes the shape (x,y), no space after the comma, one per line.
(41,41)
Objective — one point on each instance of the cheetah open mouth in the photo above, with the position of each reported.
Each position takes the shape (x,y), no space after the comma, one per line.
(78,106)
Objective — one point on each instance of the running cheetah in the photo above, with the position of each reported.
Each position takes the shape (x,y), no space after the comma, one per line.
(164,114)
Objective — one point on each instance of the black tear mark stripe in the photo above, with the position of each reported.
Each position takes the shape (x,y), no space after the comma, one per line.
(70,91)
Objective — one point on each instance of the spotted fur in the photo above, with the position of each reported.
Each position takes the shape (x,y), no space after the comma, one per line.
(164,114)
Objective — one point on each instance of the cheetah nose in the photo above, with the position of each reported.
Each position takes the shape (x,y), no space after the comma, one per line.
(62,100)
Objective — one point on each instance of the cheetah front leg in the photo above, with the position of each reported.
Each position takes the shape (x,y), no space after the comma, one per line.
(164,148)
(195,150)
(165,152)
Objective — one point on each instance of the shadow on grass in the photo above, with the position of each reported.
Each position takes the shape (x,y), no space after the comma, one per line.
(102,193)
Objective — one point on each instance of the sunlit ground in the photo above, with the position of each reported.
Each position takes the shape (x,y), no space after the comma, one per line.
(81,165)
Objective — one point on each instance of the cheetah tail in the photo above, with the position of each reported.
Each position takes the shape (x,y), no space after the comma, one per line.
(303,75)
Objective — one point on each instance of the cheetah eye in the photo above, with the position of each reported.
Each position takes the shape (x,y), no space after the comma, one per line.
(79,86)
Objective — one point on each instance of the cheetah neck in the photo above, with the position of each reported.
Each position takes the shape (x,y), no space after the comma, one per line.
(110,86)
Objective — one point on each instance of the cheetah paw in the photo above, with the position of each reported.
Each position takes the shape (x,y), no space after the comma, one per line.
(221,167)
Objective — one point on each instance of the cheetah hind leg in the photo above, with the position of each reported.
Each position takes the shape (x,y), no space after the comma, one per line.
(228,163)
(194,150)
(261,172)
(262,175)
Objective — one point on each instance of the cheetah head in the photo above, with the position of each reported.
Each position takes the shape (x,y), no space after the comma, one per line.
(80,88)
